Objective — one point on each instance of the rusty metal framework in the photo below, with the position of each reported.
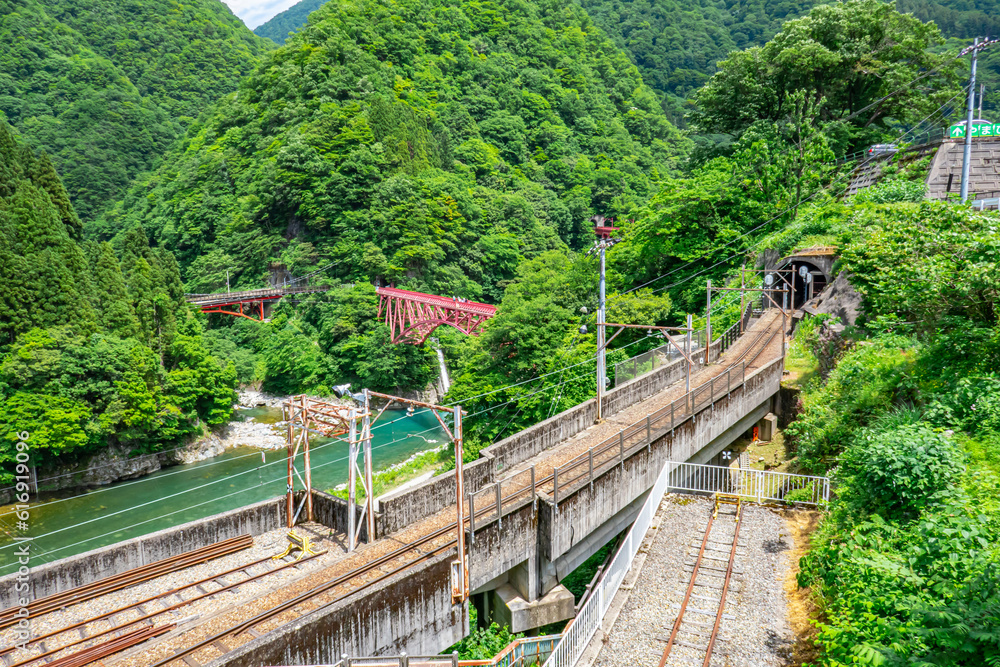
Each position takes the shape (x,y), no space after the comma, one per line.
(306,415)
(412,316)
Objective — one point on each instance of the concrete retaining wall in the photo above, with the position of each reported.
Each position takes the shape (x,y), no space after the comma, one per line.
(332,511)
(407,507)
(97,564)
(499,546)
(410,612)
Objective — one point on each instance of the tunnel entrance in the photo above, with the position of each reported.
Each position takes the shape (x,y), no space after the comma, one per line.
(807,279)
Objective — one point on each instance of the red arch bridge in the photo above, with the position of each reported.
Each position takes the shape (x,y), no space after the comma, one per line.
(412,316)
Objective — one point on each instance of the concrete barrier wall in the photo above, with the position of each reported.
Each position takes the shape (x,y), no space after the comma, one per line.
(332,511)
(67,573)
(587,508)
(407,507)
(403,509)
(544,435)
(409,612)
(499,546)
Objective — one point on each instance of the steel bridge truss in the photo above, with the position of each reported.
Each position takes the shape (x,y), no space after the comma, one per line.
(412,316)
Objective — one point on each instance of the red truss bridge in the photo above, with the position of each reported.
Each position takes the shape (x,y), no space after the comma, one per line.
(412,316)
(250,304)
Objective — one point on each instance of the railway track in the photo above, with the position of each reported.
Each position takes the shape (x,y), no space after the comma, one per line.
(85,632)
(696,630)
(330,592)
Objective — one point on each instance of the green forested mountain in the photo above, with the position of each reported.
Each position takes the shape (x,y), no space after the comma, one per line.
(96,347)
(676,45)
(426,143)
(107,87)
(290,20)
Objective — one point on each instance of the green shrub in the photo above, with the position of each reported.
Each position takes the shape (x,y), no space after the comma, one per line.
(896,472)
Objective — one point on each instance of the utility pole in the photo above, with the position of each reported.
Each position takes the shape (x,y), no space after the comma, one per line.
(688,353)
(601,357)
(743,286)
(463,571)
(604,241)
(967,154)
(708,321)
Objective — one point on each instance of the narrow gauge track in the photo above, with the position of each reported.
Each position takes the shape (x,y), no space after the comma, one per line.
(147,617)
(702,577)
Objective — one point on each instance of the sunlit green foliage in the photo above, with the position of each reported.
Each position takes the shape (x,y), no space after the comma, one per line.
(107,87)
(92,355)
(291,20)
(848,56)
(428,145)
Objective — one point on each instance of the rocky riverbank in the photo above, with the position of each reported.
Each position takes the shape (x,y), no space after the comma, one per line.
(114,463)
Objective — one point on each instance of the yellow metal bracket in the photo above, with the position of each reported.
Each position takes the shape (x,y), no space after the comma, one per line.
(727,499)
(296,541)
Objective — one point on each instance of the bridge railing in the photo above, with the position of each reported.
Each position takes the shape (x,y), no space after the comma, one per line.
(757,485)
(584,468)
(582,628)
(522,652)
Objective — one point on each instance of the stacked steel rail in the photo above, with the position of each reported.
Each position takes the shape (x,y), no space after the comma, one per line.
(148,617)
(701,572)
(93,654)
(125,579)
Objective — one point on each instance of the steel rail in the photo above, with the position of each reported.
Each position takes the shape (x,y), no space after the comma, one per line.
(89,656)
(323,588)
(687,595)
(126,579)
(725,588)
(173,607)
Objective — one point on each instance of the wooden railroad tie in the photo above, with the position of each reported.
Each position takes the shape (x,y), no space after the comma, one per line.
(296,541)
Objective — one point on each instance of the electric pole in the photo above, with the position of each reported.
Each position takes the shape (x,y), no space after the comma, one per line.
(601,356)
(967,154)
(604,241)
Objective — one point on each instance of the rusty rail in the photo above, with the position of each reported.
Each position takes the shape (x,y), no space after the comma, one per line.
(126,579)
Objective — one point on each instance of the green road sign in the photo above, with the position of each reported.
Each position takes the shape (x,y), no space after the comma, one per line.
(981,130)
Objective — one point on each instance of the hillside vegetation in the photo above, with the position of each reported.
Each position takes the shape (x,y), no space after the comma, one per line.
(100,349)
(291,20)
(906,567)
(105,89)
(421,141)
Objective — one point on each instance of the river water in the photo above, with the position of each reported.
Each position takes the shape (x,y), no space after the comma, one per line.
(74,521)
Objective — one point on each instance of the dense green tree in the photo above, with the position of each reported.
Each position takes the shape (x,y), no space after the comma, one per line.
(76,369)
(111,297)
(291,20)
(106,88)
(857,60)
(399,136)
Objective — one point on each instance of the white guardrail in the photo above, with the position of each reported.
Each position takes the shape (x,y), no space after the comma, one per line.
(760,485)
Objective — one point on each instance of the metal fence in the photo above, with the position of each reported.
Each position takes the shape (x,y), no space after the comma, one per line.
(757,485)
(522,652)
(643,363)
(580,631)
(582,469)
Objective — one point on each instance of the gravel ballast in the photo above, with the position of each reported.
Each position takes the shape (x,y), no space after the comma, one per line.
(753,632)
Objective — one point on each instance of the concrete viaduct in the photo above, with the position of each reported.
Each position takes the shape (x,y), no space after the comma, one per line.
(544,500)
